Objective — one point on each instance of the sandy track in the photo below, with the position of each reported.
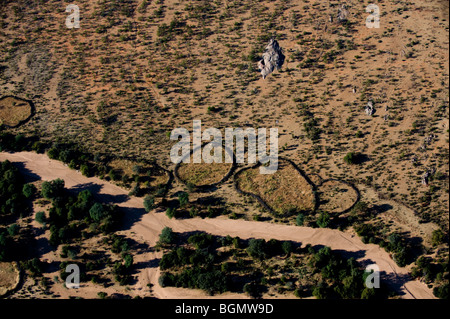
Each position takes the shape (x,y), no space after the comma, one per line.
(145,227)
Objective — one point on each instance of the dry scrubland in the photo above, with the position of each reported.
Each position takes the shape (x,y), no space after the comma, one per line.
(135,70)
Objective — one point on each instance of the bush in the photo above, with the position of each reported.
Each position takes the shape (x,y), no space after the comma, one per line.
(97,212)
(212,282)
(166,279)
(349,158)
(170,212)
(183,198)
(437,237)
(13,230)
(29,190)
(53,189)
(441,291)
(40,218)
(257,248)
(84,169)
(201,240)
(167,236)
(324,220)
(149,203)
(300,220)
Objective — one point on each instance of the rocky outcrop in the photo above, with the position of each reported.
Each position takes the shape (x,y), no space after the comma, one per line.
(342,14)
(272,59)
(370,108)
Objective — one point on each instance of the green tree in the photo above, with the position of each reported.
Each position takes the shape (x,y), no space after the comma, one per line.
(13,229)
(257,248)
(128,259)
(84,169)
(437,237)
(170,212)
(324,220)
(149,203)
(167,236)
(97,212)
(29,190)
(350,158)
(183,198)
(53,189)
(300,220)
(40,218)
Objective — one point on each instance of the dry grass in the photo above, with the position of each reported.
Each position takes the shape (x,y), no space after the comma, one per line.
(201,174)
(336,197)
(13,111)
(286,190)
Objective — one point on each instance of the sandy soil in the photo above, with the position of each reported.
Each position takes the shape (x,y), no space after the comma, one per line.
(145,228)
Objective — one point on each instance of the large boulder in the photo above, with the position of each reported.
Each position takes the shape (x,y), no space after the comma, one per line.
(272,59)
(370,108)
(342,14)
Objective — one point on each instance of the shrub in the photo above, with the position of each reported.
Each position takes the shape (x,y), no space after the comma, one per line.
(97,212)
(437,237)
(167,236)
(29,190)
(170,212)
(300,220)
(40,218)
(183,198)
(257,248)
(324,220)
(53,189)
(149,203)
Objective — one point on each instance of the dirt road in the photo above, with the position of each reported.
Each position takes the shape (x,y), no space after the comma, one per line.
(145,227)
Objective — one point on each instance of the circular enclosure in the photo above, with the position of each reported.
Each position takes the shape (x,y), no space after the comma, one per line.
(15,111)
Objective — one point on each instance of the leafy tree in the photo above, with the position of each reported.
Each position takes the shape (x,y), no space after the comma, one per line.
(368,293)
(53,189)
(437,237)
(320,291)
(29,190)
(324,220)
(212,282)
(441,291)
(183,198)
(167,236)
(128,259)
(84,169)
(40,218)
(300,220)
(13,230)
(97,212)
(350,158)
(252,289)
(149,203)
(256,248)
(170,212)
(201,240)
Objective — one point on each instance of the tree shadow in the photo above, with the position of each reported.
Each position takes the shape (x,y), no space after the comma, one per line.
(28,175)
(95,190)
(395,282)
(132,215)
(382,208)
